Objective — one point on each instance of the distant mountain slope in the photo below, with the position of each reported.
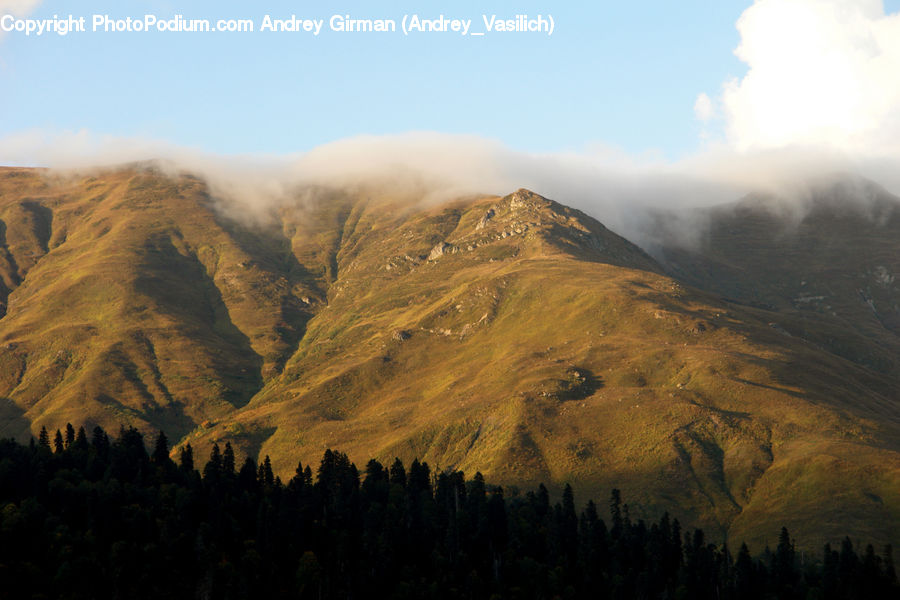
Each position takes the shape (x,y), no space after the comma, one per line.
(509,335)
(831,265)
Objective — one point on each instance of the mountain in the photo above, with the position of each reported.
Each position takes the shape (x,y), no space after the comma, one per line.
(510,335)
(828,265)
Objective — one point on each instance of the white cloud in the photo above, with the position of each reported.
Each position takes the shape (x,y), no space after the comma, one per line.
(821,73)
(618,189)
(703,108)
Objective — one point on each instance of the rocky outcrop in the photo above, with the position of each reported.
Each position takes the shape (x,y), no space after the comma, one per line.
(439,250)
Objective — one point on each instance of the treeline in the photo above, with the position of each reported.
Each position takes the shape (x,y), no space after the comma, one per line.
(93,517)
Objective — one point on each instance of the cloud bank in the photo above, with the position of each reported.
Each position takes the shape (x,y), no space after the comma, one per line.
(618,189)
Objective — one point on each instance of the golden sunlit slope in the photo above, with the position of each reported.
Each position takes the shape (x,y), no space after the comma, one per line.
(129,300)
(522,338)
(509,335)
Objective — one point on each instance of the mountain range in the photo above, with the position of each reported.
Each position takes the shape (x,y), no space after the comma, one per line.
(743,380)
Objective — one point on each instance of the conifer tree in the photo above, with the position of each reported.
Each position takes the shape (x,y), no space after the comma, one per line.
(228,460)
(615,512)
(44,438)
(81,442)
(248,478)
(267,476)
(569,525)
(419,479)
(398,473)
(58,444)
(542,501)
(70,436)
(744,581)
(497,528)
(376,485)
(830,575)
(100,442)
(214,465)
(161,449)
(186,458)
(784,570)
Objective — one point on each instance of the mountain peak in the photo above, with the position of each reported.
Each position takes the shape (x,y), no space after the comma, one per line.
(510,335)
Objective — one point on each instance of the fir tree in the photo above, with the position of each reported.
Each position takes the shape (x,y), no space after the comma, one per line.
(100,442)
(398,473)
(70,436)
(267,477)
(248,479)
(44,438)
(186,458)
(784,569)
(81,442)
(58,443)
(213,467)
(228,460)
(161,449)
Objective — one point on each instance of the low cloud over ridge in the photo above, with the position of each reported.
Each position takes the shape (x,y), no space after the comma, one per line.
(821,97)
(618,189)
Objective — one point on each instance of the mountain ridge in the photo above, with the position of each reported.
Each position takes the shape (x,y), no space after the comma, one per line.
(511,335)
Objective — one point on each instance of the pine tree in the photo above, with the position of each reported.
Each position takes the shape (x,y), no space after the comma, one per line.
(615,511)
(81,442)
(784,569)
(870,574)
(830,571)
(44,438)
(568,527)
(228,460)
(248,479)
(744,578)
(70,436)
(186,458)
(398,473)
(497,529)
(58,444)
(267,478)
(161,449)
(542,501)
(213,467)
(100,442)
(129,458)
(419,479)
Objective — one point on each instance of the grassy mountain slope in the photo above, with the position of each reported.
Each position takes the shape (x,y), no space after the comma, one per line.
(510,335)
(828,266)
(130,300)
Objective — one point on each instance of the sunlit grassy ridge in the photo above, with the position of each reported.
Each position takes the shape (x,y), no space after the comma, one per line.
(509,335)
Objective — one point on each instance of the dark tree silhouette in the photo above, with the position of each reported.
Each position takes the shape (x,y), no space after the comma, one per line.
(106,520)
(161,450)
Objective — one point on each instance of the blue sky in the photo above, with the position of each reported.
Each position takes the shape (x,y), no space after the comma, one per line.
(619,74)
